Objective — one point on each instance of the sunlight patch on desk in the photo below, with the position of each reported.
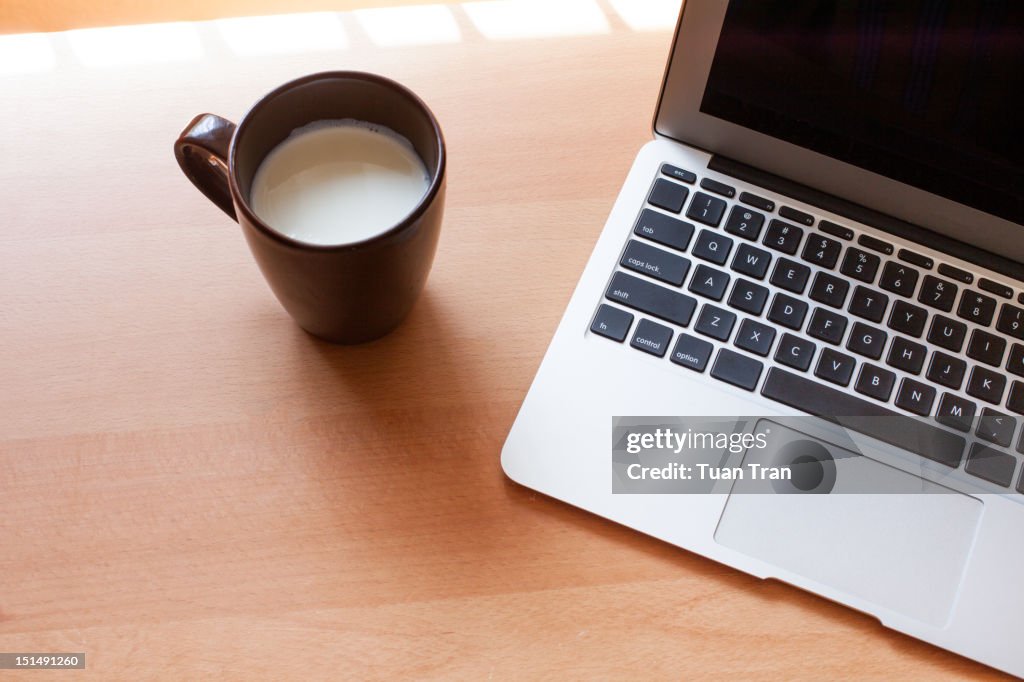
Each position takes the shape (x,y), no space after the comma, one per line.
(512,19)
(26,53)
(139,44)
(647,15)
(412,25)
(282,34)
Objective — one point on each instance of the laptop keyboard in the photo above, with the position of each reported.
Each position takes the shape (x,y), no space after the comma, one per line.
(826,320)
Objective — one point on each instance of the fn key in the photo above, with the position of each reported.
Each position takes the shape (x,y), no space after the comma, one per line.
(612,323)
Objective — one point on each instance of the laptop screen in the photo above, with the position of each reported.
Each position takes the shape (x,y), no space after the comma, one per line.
(926,92)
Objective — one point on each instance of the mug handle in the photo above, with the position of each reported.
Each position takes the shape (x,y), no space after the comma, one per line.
(202,152)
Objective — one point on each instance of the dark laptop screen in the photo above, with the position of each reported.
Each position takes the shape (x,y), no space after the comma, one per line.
(927,92)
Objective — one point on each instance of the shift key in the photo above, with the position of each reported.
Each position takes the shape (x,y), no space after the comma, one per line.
(652,299)
(654,262)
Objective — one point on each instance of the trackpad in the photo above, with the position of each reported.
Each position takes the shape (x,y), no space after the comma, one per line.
(902,551)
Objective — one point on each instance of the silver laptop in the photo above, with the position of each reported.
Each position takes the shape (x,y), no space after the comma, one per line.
(821,247)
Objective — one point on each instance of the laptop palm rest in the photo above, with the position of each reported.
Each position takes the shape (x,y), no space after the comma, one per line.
(903,548)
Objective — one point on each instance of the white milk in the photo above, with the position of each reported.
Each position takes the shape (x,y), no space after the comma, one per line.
(338,182)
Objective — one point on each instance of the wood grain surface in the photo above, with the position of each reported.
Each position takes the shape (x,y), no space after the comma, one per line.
(193,488)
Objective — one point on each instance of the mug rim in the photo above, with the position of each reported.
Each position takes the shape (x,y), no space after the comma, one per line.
(417,211)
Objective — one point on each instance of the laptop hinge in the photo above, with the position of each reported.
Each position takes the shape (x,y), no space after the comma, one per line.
(861,214)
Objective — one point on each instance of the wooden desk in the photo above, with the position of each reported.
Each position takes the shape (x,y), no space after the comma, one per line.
(191,487)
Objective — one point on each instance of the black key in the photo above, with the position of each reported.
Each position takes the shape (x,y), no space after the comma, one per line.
(875,382)
(987,348)
(946,370)
(827,326)
(755,337)
(956,412)
(678,173)
(821,251)
(745,223)
(916,259)
(991,465)
(712,246)
(736,369)
(868,304)
(718,187)
(691,352)
(828,227)
(867,341)
(996,427)
(1016,400)
(757,202)
(706,209)
(664,229)
(987,385)
(937,293)
(668,195)
(898,278)
(748,297)
(796,216)
(715,322)
(845,409)
(655,262)
(787,311)
(650,298)
(995,288)
(977,308)
(947,333)
(906,355)
(795,352)
(835,367)
(829,289)
(907,319)
(870,242)
(1020,481)
(1015,364)
(860,265)
(955,273)
(709,282)
(783,237)
(1011,321)
(915,397)
(790,275)
(611,323)
(752,261)
(651,337)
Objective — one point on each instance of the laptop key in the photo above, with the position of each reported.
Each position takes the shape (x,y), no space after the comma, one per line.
(715,322)
(829,289)
(937,293)
(751,261)
(828,227)
(738,370)
(996,427)
(875,382)
(915,397)
(860,265)
(946,370)
(987,348)
(651,337)
(668,195)
(916,259)
(870,418)
(867,341)
(706,209)
(757,202)
(647,297)
(790,275)
(712,246)
(1015,363)
(686,176)
(790,213)
(899,279)
(906,355)
(869,242)
(611,323)
(955,273)
(787,311)
(783,237)
(986,385)
(709,282)
(718,187)
(956,412)
(664,229)
(835,367)
(655,263)
(827,326)
(795,352)
(744,223)
(691,352)
(947,333)
(1016,400)
(995,288)
(976,307)
(868,304)
(991,465)
(821,251)
(755,337)
(1011,321)
(907,318)
(748,297)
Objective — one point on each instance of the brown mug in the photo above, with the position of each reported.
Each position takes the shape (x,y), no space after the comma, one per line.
(347,293)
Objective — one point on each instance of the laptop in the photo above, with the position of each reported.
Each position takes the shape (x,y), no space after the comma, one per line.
(821,247)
